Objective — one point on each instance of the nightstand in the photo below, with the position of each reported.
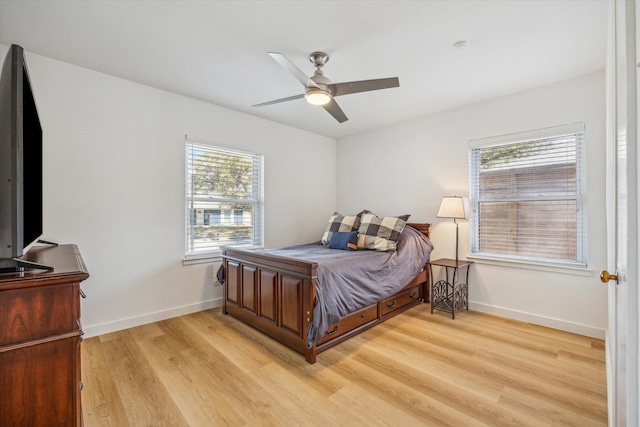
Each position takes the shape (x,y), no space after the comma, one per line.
(450,295)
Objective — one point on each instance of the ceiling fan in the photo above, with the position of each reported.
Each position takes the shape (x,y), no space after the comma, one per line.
(320,91)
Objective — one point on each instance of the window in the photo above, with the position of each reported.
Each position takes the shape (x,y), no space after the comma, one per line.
(224,199)
(527,196)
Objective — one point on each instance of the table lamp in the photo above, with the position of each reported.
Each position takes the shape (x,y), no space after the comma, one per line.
(456,207)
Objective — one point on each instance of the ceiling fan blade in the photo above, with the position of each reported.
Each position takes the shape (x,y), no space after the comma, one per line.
(334,109)
(338,89)
(297,72)
(277,101)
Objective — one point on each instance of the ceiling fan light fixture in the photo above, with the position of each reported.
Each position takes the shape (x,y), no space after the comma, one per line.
(318,96)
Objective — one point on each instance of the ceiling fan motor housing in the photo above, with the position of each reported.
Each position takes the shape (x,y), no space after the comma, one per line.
(322,82)
(321,94)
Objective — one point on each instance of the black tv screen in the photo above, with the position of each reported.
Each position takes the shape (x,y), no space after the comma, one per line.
(31,166)
(20,159)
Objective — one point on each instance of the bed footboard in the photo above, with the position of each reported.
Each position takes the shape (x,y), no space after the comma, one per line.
(276,295)
(272,293)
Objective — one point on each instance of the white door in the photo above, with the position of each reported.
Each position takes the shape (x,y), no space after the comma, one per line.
(622,204)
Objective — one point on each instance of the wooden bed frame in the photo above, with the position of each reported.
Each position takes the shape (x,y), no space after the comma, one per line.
(276,295)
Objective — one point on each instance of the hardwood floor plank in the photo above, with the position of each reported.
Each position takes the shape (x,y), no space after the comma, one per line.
(418,369)
(494,338)
(246,357)
(400,395)
(557,360)
(371,410)
(148,331)
(449,395)
(103,406)
(242,393)
(585,360)
(144,397)
(560,373)
(195,395)
(437,362)
(530,373)
(237,390)
(545,412)
(314,375)
(504,324)
(301,401)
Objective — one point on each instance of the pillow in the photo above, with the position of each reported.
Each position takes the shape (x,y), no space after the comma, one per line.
(347,241)
(340,223)
(380,234)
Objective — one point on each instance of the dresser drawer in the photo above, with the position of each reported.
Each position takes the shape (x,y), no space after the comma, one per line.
(351,322)
(42,383)
(400,300)
(32,313)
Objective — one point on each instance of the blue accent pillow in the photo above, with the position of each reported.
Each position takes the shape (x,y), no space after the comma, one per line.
(344,240)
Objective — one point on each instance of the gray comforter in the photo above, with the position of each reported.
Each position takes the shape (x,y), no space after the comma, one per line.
(350,280)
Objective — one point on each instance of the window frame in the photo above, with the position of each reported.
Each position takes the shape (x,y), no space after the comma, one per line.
(255,199)
(578,265)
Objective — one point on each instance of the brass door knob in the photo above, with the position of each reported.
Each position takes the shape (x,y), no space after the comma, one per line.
(605,276)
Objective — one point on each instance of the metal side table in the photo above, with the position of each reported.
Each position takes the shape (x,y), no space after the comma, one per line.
(450,295)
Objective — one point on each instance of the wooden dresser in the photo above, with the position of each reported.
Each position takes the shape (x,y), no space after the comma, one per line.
(40,334)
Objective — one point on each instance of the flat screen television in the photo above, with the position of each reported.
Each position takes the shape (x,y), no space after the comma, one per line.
(20,164)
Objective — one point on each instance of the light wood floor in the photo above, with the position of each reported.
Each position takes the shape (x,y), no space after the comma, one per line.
(207,369)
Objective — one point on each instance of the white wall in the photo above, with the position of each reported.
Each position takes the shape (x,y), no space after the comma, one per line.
(114,185)
(409,167)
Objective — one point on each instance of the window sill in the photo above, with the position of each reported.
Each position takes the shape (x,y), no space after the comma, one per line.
(202,259)
(212,257)
(531,265)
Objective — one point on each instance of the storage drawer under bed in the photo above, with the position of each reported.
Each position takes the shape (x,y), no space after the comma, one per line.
(398,301)
(351,322)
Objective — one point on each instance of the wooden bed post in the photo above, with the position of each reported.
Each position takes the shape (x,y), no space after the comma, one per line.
(311,355)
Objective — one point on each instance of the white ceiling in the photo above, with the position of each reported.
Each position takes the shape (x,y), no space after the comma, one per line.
(216,51)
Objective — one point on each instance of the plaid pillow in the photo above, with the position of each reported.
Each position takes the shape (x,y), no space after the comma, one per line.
(342,223)
(380,234)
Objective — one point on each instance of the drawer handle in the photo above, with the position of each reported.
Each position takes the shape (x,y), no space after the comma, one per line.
(413,295)
(334,330)
(393,304)
(82,294)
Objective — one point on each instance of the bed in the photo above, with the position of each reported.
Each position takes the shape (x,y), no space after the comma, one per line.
(290,293)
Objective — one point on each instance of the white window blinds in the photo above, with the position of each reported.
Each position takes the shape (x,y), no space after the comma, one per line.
(224,199)
(527,195)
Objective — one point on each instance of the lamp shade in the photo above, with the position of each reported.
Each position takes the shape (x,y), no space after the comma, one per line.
(456,207)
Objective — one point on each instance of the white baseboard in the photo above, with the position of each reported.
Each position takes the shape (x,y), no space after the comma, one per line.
(536,319)
(131,322)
